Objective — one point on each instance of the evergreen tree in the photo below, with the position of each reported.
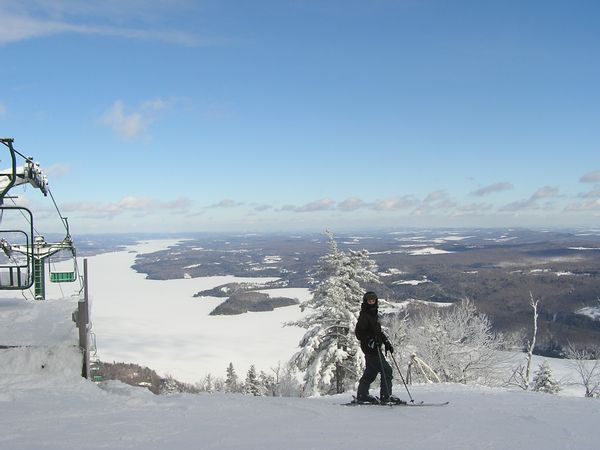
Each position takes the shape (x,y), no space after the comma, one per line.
(330,355)
(268,383)
(170,385)
(231,382)
(208,383)
(543,381)
(252,384)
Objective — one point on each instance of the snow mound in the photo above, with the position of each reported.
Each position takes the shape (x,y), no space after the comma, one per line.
(58,360)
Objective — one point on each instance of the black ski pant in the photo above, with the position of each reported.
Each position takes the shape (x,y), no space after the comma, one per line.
(374,365)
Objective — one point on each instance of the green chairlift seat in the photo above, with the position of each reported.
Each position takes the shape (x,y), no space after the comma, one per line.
(63,277)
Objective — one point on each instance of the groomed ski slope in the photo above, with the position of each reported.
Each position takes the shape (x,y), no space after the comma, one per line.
(56,409)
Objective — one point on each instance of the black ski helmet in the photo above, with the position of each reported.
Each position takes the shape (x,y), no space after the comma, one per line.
(370,295)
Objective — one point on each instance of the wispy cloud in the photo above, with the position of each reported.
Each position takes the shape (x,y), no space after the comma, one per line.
(518,205)
(591,194)
(592,177)
(319,205)
(545,192)
(128,204)
(394,204)
(352,204)
(492,188)
(57,170)
(24,20)
(533,202)
(590,205)
(130,125)
(226,203)
(436,201)
(474,208)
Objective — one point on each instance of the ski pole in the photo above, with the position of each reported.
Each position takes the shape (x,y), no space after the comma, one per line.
(402,378)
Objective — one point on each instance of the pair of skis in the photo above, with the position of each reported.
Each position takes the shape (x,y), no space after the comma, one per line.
(355,402)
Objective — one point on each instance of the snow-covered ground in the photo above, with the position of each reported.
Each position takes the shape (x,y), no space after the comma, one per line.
(66,412)
(593,312)
(428,251)
(45,404)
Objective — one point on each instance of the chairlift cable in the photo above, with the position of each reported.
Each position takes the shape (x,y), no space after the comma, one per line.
(26,158)
(62,219)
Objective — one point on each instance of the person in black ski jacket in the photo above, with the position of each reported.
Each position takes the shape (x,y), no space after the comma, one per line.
(368,331)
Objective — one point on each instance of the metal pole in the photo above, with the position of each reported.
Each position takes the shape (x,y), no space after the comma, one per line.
(83,318)
(402,378)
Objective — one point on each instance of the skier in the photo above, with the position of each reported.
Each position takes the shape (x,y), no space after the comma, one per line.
(368,331)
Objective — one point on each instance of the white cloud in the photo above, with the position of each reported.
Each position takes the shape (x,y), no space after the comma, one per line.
(180,203)
(545,192)
(28,20)
(57,170)
(492,188)
(591,194)
(474,208)
(127,126)
(435,196)
(351,204)
(436,200)
(533,202)
(590,205)
(394,204)
(129,204)
(319,205)
(226,203)
(518,205)
(133,124)
(592,177)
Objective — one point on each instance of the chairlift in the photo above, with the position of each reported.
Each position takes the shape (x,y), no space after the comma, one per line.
(16,267)
(62,266)
(34,250)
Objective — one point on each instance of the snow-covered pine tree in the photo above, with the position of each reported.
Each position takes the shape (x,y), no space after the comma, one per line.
(268,384)
(169,385)
(231,382)
(252,384)
(330,355)
(543,381)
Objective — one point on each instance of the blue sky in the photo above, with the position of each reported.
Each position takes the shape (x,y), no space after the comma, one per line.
(291,115)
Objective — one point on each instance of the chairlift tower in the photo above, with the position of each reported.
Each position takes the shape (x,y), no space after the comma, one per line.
(35,250)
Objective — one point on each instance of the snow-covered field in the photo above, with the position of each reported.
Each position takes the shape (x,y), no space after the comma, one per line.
(45,404)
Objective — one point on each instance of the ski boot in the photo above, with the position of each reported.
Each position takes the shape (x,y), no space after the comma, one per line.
(366,399)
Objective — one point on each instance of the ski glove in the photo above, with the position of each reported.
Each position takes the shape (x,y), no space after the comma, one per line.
(388,347)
